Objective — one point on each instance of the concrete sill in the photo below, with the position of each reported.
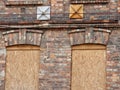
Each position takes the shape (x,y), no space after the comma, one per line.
(90,1)
(23,3)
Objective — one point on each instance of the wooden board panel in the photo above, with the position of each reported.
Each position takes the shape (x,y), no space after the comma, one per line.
(22,69)
(88,70)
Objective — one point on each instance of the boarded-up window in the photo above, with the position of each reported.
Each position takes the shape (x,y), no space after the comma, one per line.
(22,68)
(88,67)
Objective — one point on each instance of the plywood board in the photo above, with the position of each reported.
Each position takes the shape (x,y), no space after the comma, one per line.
(22,68)
(88,69)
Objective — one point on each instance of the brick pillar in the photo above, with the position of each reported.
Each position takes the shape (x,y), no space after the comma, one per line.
(113,61)
(55,61)
(2,61)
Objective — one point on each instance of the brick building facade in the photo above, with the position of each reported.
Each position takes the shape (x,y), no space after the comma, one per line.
(56,26)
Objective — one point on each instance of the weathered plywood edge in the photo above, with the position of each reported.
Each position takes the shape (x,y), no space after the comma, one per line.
(89,47)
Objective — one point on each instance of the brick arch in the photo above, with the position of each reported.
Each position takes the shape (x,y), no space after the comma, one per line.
(22,36)
(89,36)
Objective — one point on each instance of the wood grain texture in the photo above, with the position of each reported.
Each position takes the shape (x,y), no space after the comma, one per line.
(22,68)
(88,69)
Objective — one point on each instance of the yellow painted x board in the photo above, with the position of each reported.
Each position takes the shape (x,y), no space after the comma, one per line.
(76,11)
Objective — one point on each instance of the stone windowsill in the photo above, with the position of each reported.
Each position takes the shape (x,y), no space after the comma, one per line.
(89,1)
(23,3)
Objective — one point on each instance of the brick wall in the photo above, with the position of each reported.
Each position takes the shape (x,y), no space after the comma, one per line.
(59,11)
(55,44)
(55,61)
